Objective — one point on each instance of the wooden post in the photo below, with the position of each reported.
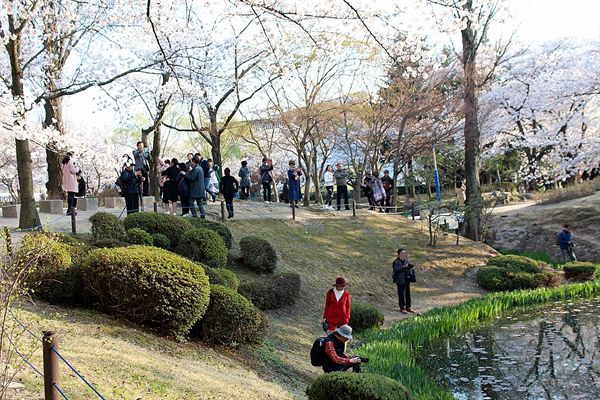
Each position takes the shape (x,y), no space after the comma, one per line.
(223,210)
(155,207)
(293,210)
(412,211)
(354,208)
(73,222)
(51,366)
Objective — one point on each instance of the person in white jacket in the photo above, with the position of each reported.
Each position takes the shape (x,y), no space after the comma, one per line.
(329,181)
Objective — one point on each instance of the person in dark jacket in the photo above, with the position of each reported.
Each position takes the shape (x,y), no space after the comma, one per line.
(341,180)
(132,182)
(183,190)
(336,358)
(195,177)
(266,179)
(81,186)
(294,175)
(229,187)
(402,270)
(244,174)
(170,186)
(565,241)
(141,156)
(388,184)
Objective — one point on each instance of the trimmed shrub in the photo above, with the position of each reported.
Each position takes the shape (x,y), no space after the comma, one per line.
(139,236)
(512,272)
(204,246)
(364,316)
(109,243)
(231,319)
(580,271)
(148,285)
(222,276)
(106,226)
(47,263)
(171,226)
(534,255)
(160,240)
(274,292)
(258,254)
(348,386)
(220,228)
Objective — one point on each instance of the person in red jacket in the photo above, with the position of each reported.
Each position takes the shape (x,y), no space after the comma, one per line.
(337,306)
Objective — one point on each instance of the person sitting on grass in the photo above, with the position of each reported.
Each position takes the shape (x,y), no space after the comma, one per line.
(336,358)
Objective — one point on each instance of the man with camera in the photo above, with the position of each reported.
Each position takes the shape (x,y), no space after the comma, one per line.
(335,357)
(141,156)
(565,240)
(403,275)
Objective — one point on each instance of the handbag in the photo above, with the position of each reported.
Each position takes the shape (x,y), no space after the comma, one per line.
(411,276)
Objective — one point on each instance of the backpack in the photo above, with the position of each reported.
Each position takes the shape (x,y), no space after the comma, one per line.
(317,352)
(121,186)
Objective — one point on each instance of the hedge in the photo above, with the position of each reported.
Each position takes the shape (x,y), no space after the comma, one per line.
(109,243)
(160,240)
(106,226)
(349,386)
(171,226)
(139,236)
(512,272)
(274,292)
(222,276)
(365,316)
(204,246)
(231,319)
(148,285)
(577,270)
(220,228)
(258,254)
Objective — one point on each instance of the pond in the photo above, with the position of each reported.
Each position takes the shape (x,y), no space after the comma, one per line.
(549,353)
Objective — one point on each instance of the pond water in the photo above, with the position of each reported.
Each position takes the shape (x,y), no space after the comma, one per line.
(550,353)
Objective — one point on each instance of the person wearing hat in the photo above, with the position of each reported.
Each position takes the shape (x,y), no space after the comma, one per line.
(336,358)
(294,175)
(338,305)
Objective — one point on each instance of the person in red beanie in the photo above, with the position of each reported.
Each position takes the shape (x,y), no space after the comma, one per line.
(337,306)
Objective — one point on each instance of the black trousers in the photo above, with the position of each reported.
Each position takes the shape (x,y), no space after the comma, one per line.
(266,191)
(185,205)
(132,201)
(329,195)
(71,201)
(244,192)
(229,203)
(388,200)
(342,191)
(404,299)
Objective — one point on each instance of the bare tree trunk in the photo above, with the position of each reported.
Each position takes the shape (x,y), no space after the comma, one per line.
(53,118)
(154,163)
(318,195)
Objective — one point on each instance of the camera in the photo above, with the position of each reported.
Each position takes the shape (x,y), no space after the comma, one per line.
(410,265)
(356,367)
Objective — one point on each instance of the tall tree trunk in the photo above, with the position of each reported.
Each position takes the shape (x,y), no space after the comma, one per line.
(53,118)
(471,131)
(318,195)
(154,163)
(215,152)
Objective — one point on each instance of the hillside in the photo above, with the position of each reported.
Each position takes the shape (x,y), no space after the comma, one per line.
(127,362)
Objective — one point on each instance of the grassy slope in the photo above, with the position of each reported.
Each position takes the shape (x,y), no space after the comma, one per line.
(129,363)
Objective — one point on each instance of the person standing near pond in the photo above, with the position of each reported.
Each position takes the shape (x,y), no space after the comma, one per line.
(402,272)
(565,241)
(338,305)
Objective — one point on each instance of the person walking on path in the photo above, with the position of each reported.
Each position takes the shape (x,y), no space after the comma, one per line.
(388,184)
(266,178)
(341,180)
(338,305)
(378,191)
(565,241)
(132,182)
(336,358)
(197,190)
(328,181)
(69,182)
(229,187)
(402,272)
(244,174)
(294,175)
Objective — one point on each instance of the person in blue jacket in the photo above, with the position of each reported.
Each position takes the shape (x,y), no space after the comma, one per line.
(294,175)
(565,241)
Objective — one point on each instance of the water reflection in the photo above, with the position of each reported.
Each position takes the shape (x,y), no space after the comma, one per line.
(544,354)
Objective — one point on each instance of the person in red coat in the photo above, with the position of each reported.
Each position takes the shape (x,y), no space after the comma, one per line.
(337,306)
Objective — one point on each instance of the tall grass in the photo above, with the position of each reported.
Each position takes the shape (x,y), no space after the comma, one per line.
(392,352)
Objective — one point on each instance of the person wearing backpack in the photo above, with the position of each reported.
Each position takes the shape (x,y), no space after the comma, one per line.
(330,352)
(338,305)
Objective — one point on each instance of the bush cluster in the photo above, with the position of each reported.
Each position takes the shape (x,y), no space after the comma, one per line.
(347,386)
(139,236)
(106,226)
(160,240)
(171,226)
(148,285)
(365,316)
(231,319)
(109,243)
(218,227)
(258,254)
(512,272)
(580,271)
(204,246)
(274,292)
(222,276)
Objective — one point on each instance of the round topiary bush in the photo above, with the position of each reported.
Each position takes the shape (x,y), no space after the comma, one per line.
(511,272)
(231,319)
(222,276)
(204,246)
(106,226)
(580,271)
(171,226)
(148,285)
(139,236)
(109,243)
(365,316)
(258,254)
(275,292)
(46,265)
(220,228)
(348,386)
(160,240)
